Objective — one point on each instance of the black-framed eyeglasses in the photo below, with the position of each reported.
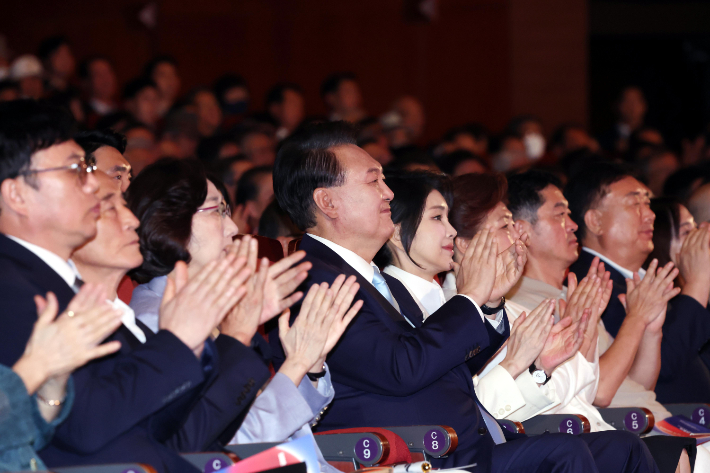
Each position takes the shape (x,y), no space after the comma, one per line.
(222,209)
(81,169)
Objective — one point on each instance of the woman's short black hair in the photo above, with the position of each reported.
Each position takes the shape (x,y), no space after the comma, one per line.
(164,197)
(411,190)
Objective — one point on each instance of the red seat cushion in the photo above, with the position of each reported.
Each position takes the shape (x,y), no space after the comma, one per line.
(398,452)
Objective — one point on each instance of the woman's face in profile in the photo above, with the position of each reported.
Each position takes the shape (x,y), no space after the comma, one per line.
(687,225)
(212,231)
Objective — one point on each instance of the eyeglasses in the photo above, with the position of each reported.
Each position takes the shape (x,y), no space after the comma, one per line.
(81,169)
(222,209)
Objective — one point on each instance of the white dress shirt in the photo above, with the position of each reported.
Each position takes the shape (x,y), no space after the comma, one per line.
(627,273)
(128,319)
(427,294)
(65,269)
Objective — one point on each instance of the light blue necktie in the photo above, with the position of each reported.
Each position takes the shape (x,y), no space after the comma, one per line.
(381,285)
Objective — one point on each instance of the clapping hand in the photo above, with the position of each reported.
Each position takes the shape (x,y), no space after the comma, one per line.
(646,299)
(59,345)
(192,309)
(476,275)
(325,314)
(509,267)
(527,338)
(693,263)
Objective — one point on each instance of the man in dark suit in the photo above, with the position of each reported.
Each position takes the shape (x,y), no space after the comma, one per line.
(48,209)
(612,210)
(390,368)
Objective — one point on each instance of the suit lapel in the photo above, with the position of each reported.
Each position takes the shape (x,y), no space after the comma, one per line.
(316,250)
(37,270)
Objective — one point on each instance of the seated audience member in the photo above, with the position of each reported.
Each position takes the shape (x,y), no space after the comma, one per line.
(163,70)
(413,159)
(204,104)
(529,127)
(625,368)
(413,257)
(678,239)
(615,223)
(257,143)
(472,137)
(106,148)
(699,203)
(233,95)
(229,171)
(27,71)
(630,109)
(462,162)
(101,85)
(36,391)
(391,367)
(180,137)
(275,223)
(374,148)
(571,137)
(511,154)
(49,208)
(341,94)
(404,123)
(285,105)
(161,415)
(656,166)
(140,98)
(255,191)
(210,233)
(642,143)
(59,64)
(217,147)
(141,148)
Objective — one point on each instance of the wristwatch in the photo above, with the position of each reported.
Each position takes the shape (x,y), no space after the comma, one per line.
(493,310)
(539,376)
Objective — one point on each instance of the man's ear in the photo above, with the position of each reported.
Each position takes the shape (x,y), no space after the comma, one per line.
(324,201)
(593,222)
(396,238)
(12,193)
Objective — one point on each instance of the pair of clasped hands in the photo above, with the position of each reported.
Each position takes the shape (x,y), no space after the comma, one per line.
(485,275)
(234,294)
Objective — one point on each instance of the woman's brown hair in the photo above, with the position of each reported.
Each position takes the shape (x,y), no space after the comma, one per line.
(474,196)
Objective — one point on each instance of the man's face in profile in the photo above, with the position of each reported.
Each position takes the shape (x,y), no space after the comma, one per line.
(363,201)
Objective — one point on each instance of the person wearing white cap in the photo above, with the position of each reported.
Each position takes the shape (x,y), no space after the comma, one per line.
(27,71)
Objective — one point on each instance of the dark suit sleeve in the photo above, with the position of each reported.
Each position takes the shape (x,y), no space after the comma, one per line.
(496,340)
(381,358)
(221,410)
(685,331)
(115,393)
(18,314)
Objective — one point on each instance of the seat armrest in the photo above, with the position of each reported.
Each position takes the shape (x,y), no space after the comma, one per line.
(637,420)
(109,468)
(435,441)
(245,450)
(363,448)
(207,462)
(697,412)
(511,426)
(564,423)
